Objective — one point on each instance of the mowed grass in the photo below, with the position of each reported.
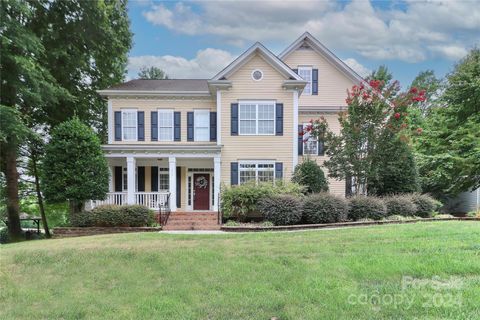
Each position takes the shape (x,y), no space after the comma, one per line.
(351,273)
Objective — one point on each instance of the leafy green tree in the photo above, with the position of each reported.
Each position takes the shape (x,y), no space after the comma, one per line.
(449,147)
(152,73)
(309,174)
(381,74)
(75,168)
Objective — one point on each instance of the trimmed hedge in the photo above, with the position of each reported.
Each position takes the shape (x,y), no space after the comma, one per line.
(324,208)
(310,174)
(281,209)
(400,205)
(425,204)
(114,216)
(362,207)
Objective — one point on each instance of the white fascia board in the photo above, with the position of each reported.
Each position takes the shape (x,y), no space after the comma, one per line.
(152,93)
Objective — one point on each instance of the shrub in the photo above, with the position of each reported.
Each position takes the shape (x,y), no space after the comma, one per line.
(362,207)
(267,224)
(400,205)
(281,209)
(4,238)
(232,223)
(238,201)
(324,208)
(309,174)
(114,216)
(425,204)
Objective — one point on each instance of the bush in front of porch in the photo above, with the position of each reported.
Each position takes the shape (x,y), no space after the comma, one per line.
(114,216)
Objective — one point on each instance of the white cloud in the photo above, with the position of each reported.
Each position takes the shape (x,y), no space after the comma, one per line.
(415,32)
(206,64)
(357,67)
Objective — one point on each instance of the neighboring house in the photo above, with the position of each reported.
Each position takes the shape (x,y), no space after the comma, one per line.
(189,137)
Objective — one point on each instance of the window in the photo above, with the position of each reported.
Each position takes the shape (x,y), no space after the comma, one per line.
(202,125)
(165,125)
(129,124)
(310,143)
(306,74)
(257,75)
(125,179)
(257,172)
(163,179)
(257,118)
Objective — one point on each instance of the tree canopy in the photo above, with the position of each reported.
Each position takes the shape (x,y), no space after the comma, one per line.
(152,73)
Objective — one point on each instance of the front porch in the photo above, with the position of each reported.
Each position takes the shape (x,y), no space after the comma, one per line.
(181,180)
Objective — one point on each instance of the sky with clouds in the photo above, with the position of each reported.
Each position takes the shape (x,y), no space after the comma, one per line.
(197,39)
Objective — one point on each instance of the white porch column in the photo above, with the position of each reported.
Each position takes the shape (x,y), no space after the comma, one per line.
(217,177)
(295,129)
(130,180)
(219,117)
(110,179)
(172,174)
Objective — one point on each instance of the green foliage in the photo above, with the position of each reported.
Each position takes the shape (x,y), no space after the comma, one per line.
(4,237)
(424,204)
(400,205)
(267,224)
(449,148)
(309,174)
(395,170)
(74,167)
(361,207)
(232,223)
(57,213)
(281,209)
(152,73)
(238,201)
(324,208)
(114,216)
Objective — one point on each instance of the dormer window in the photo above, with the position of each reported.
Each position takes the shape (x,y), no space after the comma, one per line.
(306,74)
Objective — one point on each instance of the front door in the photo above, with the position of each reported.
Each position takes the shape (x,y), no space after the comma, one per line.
(201,191)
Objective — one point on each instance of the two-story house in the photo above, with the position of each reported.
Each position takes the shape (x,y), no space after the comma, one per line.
(189,137)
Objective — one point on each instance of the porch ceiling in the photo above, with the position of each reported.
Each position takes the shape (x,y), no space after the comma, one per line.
(151,150)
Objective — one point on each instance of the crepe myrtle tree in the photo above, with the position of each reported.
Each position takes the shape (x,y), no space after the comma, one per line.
(75,169)
(373,109)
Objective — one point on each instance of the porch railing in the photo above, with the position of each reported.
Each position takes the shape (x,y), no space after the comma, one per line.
(152,200)
(118,198)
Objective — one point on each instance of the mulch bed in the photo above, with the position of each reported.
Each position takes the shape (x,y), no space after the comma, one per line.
(67,232)
(256,228)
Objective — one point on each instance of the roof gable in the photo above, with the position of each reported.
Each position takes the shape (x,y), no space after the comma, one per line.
(307,41)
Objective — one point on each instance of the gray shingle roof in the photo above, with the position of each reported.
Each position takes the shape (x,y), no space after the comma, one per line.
(169,85)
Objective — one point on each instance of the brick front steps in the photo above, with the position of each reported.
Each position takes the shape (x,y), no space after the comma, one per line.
(67,232)
(205,220)
(337,225)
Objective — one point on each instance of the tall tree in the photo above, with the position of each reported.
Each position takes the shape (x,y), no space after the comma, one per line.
(152,73)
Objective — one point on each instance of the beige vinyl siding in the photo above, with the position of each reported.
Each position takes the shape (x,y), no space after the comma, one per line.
(262,147)
(149,105)
(335,186)
(332,83)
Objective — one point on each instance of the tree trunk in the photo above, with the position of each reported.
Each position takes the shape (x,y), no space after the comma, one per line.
(13,209)
(39,194)
(75,207)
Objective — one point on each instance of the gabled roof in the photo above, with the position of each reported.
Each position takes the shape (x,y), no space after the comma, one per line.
(167,86)
(260,49)
(316,45)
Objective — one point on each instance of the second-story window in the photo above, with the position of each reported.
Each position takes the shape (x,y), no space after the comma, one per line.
(165,125)
(202,125)
(306,74)
(129,124)
(310,143)
(257,118)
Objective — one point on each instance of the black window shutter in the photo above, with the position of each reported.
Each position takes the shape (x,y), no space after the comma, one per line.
(141,125)
(300,139)
(141,179)
(154,179)
(177,126)
(321,148)
(315,81)
(295,70)
(233,173)
(213,126)
(279,119)
(234,119)
(179,187)
(118,179)
(278,170)
(118,126)
(154,122)
(190,124)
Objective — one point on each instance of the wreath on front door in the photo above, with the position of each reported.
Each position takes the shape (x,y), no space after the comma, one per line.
(201,183)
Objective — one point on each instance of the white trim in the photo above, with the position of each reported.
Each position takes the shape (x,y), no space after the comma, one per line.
(160,110)
(219,117)
(256,163)
(136,123)
(130,180)
(256,103)
(153,93)
(309,83)
(160,155)
(255,70)
(111,120)
(199,111)
(217,167)
(172,175)
(295,129)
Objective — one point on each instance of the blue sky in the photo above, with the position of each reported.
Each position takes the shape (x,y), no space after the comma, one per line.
(197,39)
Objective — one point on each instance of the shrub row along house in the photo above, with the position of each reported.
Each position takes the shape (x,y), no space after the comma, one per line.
(187,138)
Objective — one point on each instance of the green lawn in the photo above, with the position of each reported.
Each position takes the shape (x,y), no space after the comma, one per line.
(351,273)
